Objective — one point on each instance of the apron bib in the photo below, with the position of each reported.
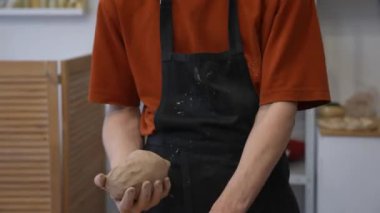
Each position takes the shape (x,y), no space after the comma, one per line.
(207,110)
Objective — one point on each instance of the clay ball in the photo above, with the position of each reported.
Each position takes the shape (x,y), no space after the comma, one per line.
(139,166)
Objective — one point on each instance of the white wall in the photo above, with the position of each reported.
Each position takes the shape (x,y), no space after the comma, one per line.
(36,38)
(351,30)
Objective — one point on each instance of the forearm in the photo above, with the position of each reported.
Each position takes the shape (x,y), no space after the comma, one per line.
(121,134)
(264,147)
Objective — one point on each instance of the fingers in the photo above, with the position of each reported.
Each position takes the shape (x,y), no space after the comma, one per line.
(157,193)
(161,190)
(166,187)
(150,196)
(127,203)
(100,181)
(145,196)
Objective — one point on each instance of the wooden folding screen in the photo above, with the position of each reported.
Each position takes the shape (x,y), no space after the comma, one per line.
(82,149)
(50,146)
(29,161)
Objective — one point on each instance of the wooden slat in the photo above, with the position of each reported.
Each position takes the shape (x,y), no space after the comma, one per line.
(77,65)
(29,211)
(18,158)
(21,129)
(23,80)
(22,115)
(84,194)
(20,69)
(25,199)
(87,119)
(29,122)
(18,172)
(78,82)
(82,140)
(22,94)
(24,192)
(25,108)
(80,109)
(23,151)
(26,179)
(77,160)
(77,98)
(31,137)
(87,126)
(24,165)
(77,103)
(80,147)
(83,168)
(15,102)
(25,186)
(5,207)
(22,87)
(22,144)
(87,115)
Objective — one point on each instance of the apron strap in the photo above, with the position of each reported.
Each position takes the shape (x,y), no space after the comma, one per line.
(166,25)
(166,29)
(234,29)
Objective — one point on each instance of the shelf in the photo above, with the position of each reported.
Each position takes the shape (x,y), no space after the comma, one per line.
(343,133)
(42,12)
(352,133)
(297,173)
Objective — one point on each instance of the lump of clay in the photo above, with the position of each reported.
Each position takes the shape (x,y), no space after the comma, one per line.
(139,166)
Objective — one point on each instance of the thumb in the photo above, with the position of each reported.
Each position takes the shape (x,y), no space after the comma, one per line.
(100,181)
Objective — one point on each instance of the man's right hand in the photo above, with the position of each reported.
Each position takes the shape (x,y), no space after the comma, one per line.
(150,195)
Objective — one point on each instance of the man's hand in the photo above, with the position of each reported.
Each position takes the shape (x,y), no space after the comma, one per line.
(150,195)
(224,205)
(261,153)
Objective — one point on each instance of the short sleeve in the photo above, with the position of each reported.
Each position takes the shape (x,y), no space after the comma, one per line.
(111,78)
(293,63)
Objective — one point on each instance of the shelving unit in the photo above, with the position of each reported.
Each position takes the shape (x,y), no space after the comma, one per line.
(43,8)
(42,12)
(302,173)
(298,175)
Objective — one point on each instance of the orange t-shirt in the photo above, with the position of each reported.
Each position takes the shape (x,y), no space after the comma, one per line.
(281,39)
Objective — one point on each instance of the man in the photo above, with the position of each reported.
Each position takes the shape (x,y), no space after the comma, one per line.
(220,82)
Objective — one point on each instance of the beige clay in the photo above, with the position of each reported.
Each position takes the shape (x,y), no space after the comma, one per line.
(139,166)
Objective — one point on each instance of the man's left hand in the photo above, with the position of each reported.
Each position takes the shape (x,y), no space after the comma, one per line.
(226,204)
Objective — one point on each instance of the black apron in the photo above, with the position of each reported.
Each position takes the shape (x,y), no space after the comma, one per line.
(207,110)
